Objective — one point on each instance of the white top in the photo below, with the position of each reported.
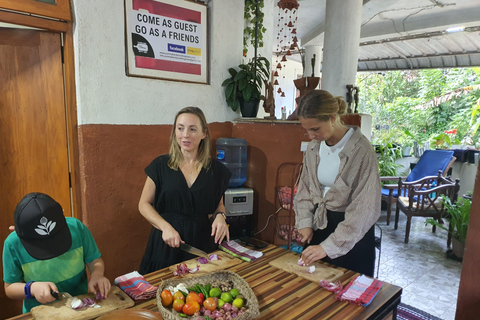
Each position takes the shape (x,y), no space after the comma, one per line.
(329,161)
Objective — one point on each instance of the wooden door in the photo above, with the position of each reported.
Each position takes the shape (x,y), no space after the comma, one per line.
(33,129)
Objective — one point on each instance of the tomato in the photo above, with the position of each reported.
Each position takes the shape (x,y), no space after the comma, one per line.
(202,298)
(178,304)
(193,297)
(178,295)
(190,308)
(210,304)
(166,297)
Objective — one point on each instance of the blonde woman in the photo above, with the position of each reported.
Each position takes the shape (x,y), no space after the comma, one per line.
(183,195)
(338,198)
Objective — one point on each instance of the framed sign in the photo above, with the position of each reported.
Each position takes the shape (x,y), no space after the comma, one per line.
(167,39)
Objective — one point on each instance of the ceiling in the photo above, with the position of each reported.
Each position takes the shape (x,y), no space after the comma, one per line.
(405,34)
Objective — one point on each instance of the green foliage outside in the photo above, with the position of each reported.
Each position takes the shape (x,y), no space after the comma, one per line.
(458,216)
(438,106)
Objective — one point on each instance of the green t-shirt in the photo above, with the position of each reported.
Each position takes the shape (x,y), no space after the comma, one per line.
(67,271)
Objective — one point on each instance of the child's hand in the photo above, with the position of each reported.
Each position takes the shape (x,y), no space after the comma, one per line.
(100,284)
(41,291)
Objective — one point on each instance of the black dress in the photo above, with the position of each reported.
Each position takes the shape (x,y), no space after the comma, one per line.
(186,209)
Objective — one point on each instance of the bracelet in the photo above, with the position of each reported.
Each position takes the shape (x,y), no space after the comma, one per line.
(222,213)
(27,289)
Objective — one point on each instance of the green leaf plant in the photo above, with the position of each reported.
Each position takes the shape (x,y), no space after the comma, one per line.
(246,82)
(458,216)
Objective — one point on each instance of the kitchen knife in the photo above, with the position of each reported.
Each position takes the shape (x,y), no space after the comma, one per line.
(188,248)
(60,295)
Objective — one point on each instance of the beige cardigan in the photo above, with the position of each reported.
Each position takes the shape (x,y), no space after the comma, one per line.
(356,191)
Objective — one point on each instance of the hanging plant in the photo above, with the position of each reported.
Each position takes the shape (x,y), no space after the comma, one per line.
(253,15)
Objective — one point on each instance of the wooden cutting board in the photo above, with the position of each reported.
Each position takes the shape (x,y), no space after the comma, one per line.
(117,299)
(225,261)
(289,263)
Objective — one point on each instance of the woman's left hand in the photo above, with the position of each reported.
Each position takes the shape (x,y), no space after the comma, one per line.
(312,253)
(220,229)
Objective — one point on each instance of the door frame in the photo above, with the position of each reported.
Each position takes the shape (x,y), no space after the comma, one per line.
(65,28)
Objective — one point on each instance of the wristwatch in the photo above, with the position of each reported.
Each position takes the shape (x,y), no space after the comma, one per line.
(222,213)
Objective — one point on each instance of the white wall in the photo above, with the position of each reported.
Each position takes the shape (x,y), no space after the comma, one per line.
(105,95)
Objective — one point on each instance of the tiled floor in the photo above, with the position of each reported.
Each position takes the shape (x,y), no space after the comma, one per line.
(429,280)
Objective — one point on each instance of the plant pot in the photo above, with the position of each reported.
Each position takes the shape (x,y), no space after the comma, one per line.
(458,248)
(249,109)
(406,151)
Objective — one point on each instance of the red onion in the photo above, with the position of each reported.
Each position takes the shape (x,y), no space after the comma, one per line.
(311,269)
(202,260)
(213,257)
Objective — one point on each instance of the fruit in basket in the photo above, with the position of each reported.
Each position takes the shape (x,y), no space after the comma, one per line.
(215,292)
(178,305)
(190,308)
(193,297)
(178,295)
(166,297)
(234,292)
(210,304)
(238,303)
(227,297)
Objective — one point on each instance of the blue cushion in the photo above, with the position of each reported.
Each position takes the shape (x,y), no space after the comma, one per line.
(429,163)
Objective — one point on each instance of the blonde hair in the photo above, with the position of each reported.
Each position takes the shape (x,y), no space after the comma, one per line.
(321,105)
(203,154)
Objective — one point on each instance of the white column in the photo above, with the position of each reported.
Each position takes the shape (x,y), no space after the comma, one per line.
(342,37)
(309,52)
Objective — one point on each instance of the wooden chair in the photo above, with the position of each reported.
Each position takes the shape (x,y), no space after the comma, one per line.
(424,198)
(428,165)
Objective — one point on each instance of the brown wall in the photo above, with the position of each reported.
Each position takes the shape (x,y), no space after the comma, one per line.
(113,158)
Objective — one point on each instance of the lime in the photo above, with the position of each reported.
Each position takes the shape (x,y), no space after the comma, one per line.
(215,292)
(238,303)
(220,303)
(234,292)
(227,297)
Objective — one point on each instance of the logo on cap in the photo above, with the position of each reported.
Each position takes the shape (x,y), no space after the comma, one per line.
(46,227)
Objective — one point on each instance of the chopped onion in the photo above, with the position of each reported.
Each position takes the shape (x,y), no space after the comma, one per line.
(194,269)
(202,260)
(76,304)
(300,262)
(99,296)
(311,269)
(213,257)
(182,269)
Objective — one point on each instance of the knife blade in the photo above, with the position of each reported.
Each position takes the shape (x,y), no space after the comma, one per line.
(60,295)
(188,248)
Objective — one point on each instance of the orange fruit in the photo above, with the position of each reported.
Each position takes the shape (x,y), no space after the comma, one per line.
(190,308)
(178,295)
(178,304)
(166,297)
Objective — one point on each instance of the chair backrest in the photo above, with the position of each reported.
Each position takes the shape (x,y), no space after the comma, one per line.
(429,163)
(426,194)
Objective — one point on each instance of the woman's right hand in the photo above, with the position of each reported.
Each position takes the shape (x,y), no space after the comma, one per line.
(171,237)
(307,234)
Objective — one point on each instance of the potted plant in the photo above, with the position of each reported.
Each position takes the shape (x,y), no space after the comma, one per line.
(243,88)
(458,216)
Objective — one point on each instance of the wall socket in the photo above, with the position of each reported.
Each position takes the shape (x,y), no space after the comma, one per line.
(303,146)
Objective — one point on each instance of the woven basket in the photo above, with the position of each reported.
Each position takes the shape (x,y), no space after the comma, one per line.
(251,302)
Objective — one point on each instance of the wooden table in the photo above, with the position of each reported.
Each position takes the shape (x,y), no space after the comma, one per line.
(282,295)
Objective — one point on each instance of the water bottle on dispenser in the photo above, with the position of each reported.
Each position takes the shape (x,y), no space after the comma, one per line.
(232,152)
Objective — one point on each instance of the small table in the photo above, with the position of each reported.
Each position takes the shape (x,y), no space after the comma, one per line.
(282,295)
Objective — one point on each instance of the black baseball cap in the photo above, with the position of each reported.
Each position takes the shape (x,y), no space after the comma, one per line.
(41,226)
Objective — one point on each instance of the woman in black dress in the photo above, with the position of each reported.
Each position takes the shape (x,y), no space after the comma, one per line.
(183,194)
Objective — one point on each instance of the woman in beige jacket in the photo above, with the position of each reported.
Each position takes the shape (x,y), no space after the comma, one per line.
(338,199)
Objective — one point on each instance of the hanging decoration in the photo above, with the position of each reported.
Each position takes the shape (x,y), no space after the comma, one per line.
(286,41)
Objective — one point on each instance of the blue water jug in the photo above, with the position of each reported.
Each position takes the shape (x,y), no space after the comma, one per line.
(232,152)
